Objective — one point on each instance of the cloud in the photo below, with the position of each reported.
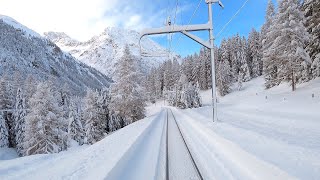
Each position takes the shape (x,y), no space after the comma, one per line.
(82,19)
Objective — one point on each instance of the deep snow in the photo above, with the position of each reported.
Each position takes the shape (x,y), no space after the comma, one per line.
(260,134)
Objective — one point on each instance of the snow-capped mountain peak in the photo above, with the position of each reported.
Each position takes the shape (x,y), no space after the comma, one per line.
(104,50)
(61,37)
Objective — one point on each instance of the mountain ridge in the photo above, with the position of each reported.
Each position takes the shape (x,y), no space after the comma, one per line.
(103,51)
(23,50)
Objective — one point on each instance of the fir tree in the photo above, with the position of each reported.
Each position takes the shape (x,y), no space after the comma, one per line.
(44,123)
(19,118)
(224,77)
(255,53)
(268,36)
(94,125)
(289,46)
(126,93)
(6,105)
(311,9)
(4,142)
(75,128)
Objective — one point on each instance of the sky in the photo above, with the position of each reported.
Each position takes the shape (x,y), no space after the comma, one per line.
(82,19)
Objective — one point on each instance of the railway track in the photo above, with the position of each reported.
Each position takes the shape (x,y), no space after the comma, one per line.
(180,163)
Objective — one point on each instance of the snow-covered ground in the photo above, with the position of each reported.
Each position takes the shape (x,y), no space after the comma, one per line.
(277,126)
(260,134)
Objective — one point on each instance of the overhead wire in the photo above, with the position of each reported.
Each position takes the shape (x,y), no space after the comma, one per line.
(239,10)
(174,23)
(190,19)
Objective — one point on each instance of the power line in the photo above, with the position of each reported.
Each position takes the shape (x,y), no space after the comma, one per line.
(194,12)
(175,14)
(224,27)
(174,22)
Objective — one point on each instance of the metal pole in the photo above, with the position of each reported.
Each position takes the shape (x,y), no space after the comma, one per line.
(213,70)
(185,30)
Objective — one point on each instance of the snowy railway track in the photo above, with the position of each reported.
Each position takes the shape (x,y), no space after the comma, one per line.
(180,163)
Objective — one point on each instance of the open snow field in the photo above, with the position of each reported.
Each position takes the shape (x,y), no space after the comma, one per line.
(260,134)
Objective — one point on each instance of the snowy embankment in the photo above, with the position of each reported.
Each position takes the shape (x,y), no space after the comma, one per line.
(96,161)
(260,134)
(276,130)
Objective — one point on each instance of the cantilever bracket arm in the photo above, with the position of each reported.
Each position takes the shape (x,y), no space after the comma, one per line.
(175,28)
(197,39)
(182,29)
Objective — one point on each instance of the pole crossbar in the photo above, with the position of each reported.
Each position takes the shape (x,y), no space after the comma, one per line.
(185,30)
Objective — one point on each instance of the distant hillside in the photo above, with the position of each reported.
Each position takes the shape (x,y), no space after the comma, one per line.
(25,51)
(103,51)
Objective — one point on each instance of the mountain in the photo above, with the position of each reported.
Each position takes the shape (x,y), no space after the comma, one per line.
(103,51)
(26,52)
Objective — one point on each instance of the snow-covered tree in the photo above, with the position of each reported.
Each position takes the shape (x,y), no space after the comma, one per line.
(94,124)
(19,119)
(75,127)
(255,46)
(64,100)
(203,76)
(127,98)
(7,105)
(4,142)
(103,103)
(315,67)
(190,96)
(289,46)
(44,124)
(30,86)
(268,35)
(224,77)
(311,9)
(244,72)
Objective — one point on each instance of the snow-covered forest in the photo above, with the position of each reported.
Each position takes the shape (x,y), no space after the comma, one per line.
(40,117)
(286,50)
(46,107)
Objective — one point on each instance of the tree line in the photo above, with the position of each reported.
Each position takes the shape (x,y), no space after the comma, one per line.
(287,49)
(41,117)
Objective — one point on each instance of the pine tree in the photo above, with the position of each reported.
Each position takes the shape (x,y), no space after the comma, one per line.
(315,67)
(255,53)
(30,86)
(126,93)
(203,76)
(289,46)
(168,76)
(4,142)
(19,118)
(208,68)
(268,36)
(244,73)
(176,70)
(44,123)
(311,9)
(224,77)
(75,128)
(6,104)
(64,100)
(94,125)
(104,111)
(195,69)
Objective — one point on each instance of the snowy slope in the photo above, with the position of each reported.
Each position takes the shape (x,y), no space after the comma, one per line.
(277,126)
(104,50)
(93,162)
(23,50)
(17,25)
(255,138)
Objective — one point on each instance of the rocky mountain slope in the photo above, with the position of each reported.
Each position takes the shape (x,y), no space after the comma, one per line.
(103,51)
(26,52)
